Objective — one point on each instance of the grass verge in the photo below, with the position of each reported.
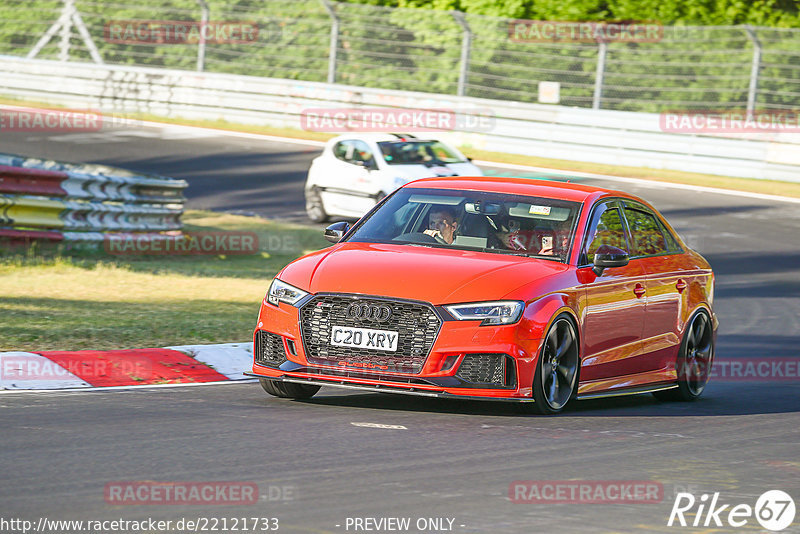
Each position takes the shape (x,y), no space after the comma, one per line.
(770,187)
(59,299)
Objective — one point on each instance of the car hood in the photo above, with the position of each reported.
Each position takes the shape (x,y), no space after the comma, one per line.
(414,172)
(435,275)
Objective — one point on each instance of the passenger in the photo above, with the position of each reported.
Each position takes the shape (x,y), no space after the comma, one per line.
(541,242)
(547,244)
(512,236)
(442,225)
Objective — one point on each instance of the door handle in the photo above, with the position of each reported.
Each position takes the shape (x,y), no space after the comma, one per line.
(639,290)
(680,286)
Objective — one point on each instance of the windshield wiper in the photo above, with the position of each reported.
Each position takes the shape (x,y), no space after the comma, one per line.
(523,254)
(507,252)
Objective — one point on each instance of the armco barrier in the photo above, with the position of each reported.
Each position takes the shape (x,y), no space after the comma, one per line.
(34,212)
(23,236)
(599,136)
(47,200)
(32,181)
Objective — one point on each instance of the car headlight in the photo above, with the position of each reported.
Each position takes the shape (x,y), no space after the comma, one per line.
(490,313)
(280,291)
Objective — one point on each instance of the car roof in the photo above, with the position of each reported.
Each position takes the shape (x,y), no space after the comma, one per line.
(521,186)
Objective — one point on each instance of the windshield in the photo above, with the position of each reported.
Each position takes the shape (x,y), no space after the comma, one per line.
(418,153)
(473,220)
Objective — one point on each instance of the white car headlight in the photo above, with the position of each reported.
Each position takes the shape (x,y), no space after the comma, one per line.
(490,313)
(280,291)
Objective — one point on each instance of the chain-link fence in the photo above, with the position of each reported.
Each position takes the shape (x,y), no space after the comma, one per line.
(671,68)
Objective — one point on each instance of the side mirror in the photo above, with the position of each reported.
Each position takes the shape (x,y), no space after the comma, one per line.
(336,231)
(608,256)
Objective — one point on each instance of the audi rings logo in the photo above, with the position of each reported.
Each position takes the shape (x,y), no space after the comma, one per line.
(362,311)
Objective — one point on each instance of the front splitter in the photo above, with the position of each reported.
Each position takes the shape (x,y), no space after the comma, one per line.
(380,388)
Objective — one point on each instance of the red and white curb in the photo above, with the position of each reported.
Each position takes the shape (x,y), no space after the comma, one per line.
(89,369)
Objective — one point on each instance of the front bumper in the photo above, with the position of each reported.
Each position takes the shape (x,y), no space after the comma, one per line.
(461,351)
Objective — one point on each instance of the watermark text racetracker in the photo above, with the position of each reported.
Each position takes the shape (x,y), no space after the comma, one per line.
(19,119)
(200,243)
(768,369)
(543,31)
(730,121)
(188,243)
(396,119)
(178,32)
(228,493)
(21,368)
(586,491)
(102,526)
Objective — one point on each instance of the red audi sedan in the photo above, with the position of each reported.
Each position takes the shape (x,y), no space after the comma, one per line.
(494,288)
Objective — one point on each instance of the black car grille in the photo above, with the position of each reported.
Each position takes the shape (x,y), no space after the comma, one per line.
(269,349)
(416,323)
(490,369)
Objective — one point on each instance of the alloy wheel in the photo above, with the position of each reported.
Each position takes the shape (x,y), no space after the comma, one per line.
(559,364)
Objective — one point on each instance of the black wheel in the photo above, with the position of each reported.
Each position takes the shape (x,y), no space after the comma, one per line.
(694,360)
(288,390)
(315,209)
(556,377)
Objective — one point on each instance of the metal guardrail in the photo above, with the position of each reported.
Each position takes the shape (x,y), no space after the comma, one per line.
(59,201)
(560,132)
(413,49)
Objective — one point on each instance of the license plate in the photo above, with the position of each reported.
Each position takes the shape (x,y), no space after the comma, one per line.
(364,338)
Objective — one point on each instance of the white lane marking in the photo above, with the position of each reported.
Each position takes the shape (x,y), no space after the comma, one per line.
(645,183)
(121,136)
(378,425)
(86,139)
(122,388)
(231,133)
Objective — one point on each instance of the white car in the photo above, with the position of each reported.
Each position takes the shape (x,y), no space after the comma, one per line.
(355,171)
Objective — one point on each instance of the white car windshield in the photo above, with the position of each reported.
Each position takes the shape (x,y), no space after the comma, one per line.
(473,220)
(414,152)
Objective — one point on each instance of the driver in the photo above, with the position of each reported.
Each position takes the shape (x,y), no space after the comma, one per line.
(442,225)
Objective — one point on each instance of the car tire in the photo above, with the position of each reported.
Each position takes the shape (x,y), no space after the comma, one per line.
(694,361)
(559,361)
(315,208)
(288,390)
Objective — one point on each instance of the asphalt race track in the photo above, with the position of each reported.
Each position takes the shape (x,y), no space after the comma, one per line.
(315,468)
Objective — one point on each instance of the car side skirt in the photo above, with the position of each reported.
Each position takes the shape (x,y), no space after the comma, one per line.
(627,391)
(610,386)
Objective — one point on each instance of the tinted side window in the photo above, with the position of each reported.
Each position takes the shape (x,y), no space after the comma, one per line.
(646,233)
(672,243)
(606,229)
(340,150)
(361,152)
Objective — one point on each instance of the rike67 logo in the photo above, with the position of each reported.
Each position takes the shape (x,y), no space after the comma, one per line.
(774,510)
